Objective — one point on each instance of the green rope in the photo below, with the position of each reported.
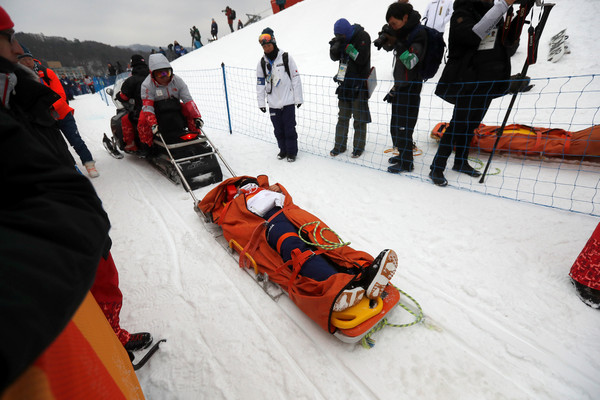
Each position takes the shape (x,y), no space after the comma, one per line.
(330,246)
(368,342)
(480,165)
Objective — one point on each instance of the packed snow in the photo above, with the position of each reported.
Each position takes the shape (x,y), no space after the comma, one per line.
(502,320)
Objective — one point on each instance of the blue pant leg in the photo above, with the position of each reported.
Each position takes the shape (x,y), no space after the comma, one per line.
(278,129)
(289,127)
(69,128)
(316,267)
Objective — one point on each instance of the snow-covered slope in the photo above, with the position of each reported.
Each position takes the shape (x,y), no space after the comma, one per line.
(503,321)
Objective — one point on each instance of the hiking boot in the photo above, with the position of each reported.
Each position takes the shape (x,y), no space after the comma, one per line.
(466,169)
(90,166)
(336,151)
(281,155)
(138,341)
(438,178)
(291,158)
(357,153)
(398,168)
(348,298)
(382,269)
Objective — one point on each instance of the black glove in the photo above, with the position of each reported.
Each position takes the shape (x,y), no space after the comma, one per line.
(298,105)
(263,109)
(390,96)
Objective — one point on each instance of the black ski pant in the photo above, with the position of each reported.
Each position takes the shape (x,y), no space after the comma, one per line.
(405,112)
(466,117)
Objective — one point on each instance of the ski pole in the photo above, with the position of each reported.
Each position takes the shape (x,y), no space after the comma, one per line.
(532,46)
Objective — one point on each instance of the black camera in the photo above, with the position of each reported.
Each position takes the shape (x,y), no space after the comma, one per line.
(386,38)
(337,44)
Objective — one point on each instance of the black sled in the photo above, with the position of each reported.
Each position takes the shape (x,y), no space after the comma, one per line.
(176,147)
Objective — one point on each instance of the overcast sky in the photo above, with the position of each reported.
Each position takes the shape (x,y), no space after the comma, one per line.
(125,22)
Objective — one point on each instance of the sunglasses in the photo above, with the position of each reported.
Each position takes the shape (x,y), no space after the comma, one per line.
(9,35)
(265,38)
(165,73)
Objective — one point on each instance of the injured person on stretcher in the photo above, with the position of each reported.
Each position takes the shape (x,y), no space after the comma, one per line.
(295,248)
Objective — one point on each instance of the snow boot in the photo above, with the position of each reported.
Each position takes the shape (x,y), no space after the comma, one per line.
(291,158)
(438,178)
(90,166)
(281,155)
(337,151)
(138,341)
(381,272)
(589,296)
(395,160)
(466,169)
(356,153)
(348,298)
(400,167)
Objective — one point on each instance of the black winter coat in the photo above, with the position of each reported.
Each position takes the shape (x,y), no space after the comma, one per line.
(468,64)
(357,71)
(53,230)
(402,75)
(132,87)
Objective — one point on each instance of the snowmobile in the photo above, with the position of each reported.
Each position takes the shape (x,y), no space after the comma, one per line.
(183,156)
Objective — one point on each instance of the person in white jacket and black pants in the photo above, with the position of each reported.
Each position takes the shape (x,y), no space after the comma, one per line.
(279,81)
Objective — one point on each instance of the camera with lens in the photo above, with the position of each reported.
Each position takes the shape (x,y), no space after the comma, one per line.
(336,47)
(386,39)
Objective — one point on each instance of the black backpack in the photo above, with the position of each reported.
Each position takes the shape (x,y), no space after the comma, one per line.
(285,57)
(434,53)
(232,14)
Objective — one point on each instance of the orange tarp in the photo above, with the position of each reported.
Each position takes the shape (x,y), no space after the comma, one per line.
(525,140)
(314,298)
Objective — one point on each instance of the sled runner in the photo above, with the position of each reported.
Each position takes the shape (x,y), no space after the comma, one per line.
(244,232)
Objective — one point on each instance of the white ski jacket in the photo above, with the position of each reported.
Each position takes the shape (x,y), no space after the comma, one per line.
(438,14)
(279,89)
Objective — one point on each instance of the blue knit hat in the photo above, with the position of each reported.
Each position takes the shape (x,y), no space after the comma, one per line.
(26,53)
(343,27)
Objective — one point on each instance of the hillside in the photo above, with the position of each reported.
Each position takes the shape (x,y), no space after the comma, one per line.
(91,55)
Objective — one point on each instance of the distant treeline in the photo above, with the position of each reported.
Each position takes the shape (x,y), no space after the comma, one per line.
(92,56)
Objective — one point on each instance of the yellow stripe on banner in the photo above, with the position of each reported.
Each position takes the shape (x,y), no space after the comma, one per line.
(107,346)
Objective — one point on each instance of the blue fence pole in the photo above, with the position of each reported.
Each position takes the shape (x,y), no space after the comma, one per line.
(226,97)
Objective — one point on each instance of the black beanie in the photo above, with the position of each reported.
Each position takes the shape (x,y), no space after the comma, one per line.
(136,59)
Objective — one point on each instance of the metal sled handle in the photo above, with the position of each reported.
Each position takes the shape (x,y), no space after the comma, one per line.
(178,169)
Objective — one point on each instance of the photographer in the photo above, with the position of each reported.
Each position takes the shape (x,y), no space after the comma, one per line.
(405,96)
(351,46)
(477,71)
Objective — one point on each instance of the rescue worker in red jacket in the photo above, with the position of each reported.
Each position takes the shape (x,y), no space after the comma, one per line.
(66,121)
(161,85)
